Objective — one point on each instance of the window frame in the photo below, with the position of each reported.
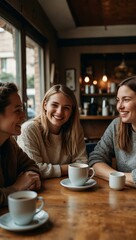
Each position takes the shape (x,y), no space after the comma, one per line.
(8,13)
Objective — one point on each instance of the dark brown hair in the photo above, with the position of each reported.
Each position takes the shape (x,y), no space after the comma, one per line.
(6,89)
(124,133)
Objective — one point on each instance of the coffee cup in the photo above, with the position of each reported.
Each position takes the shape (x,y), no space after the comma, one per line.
(79,173)
(117,180)
(23,206)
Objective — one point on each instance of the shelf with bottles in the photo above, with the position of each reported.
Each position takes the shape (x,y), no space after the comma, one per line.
(98,98)
(99,107)
(101,102)
(96,87)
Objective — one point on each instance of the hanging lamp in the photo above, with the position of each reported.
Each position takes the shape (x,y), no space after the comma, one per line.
(104,77)
(122,69)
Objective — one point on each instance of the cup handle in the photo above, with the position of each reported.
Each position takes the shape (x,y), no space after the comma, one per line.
(93,173)
(39,198)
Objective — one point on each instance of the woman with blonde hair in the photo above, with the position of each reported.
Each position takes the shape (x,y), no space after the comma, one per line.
(55,138)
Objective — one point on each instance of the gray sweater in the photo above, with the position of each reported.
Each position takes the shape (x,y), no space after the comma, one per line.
(106,149)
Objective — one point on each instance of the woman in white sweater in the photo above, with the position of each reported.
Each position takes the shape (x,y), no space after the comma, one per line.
(55,138)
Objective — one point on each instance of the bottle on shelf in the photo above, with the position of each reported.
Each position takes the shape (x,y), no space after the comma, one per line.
(105,107)
(92,89)
(93,107)
(86,108)
(87,89)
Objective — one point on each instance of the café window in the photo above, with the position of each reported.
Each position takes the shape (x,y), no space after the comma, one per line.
(31,81)
(10,67)
(34,76)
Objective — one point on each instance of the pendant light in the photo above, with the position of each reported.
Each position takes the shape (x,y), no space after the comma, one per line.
(122,66)
(104,77)
(121,71)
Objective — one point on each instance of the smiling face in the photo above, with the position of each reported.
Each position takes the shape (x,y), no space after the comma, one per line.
(12,118)
(58,111)
(126,105)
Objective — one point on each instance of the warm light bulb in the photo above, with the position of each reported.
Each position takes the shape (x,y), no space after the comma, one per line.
(104,78)
(95,82)
(86,79)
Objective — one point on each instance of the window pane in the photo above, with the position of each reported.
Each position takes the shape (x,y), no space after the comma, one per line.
(34,63)
(10,67)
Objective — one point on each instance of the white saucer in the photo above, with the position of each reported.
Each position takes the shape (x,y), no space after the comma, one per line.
(7,223)
(66,183)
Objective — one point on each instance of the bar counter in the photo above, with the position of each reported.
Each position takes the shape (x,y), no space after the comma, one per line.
(94,126)
(98,213)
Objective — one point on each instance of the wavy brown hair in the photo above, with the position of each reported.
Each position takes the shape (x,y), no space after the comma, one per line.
(124,133)
(6,89)
(70,129)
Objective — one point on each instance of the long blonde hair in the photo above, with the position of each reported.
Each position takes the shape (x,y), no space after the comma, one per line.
(124,133)
(70,129)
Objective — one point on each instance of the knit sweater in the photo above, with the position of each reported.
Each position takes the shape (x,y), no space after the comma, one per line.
(49,157)
(106,149)
(13,161)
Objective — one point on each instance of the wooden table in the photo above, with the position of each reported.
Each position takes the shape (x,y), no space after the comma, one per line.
(98,213)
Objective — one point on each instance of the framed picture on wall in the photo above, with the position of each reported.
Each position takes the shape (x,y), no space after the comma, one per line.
(70,75)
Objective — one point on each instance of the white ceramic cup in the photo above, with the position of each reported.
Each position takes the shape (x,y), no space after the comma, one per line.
(79,173)
(117,180)
(23,206)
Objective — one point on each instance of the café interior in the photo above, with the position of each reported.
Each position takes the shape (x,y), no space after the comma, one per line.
(90,46)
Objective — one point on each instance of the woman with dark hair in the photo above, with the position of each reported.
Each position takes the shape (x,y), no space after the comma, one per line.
(17,170)
(55,138)
(119,139)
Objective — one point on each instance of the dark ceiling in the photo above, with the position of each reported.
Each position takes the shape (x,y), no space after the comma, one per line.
(103,12)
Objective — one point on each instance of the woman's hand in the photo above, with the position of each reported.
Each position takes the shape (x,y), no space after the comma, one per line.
(27,181)
(129,180)
(64,170)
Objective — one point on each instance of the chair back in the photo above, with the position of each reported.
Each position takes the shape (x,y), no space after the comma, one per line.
(90,147)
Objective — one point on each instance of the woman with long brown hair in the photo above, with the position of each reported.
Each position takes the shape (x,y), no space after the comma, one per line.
(119,139)
(17,170)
